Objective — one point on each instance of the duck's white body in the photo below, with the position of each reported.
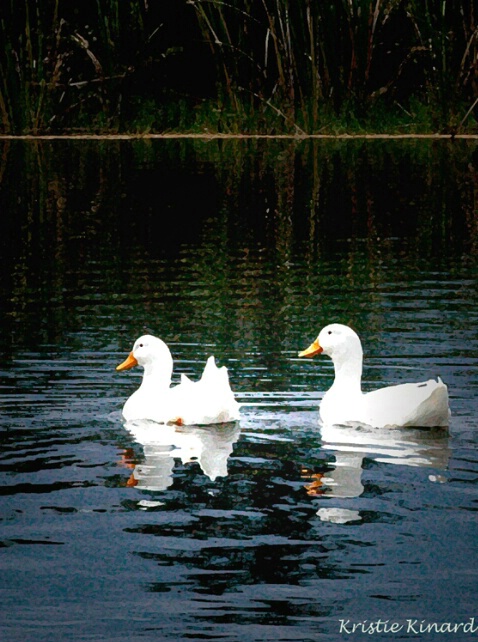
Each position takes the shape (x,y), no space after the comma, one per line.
(207,401)
(409,404)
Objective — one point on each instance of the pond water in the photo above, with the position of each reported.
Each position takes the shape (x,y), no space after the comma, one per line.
(269,528)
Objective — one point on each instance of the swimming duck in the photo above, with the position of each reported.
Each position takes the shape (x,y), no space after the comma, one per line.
(207,401)
(408,404)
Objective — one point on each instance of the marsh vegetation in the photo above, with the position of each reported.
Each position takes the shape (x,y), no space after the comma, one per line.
(264,66)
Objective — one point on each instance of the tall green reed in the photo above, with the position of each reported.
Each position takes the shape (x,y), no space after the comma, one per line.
(30,64)
(447,44)
(60,67)
(306,59)
(280,65)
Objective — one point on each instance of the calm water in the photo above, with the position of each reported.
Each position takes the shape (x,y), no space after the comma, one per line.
(268,529)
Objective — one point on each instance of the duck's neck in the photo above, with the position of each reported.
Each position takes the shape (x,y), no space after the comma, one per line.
(156,377)
(348,374)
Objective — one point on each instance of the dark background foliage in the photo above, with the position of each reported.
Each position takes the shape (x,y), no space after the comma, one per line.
(238,65)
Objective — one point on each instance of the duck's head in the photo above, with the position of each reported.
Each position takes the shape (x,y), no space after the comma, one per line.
(337,341)
(148,352)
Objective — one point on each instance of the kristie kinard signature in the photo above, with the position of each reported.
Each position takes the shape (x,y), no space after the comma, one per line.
(411,626)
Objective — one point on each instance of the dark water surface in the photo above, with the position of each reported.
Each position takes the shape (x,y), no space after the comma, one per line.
(268,529)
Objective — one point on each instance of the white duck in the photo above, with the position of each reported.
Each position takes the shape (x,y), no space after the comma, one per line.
(207,401)
(408,404)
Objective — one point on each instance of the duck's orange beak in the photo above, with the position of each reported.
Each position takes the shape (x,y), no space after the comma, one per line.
(128,363)
(312,350)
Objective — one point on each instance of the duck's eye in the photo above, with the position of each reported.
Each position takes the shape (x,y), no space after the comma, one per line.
(140,345)
(329,332)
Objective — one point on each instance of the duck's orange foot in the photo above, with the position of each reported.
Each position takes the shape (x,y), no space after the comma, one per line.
(316,486)
(132,481)
(177,422)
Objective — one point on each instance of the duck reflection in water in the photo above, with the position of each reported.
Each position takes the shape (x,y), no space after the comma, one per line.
(350,445)
(208,446)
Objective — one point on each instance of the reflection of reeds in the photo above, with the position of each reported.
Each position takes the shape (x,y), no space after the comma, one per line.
(291,211)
